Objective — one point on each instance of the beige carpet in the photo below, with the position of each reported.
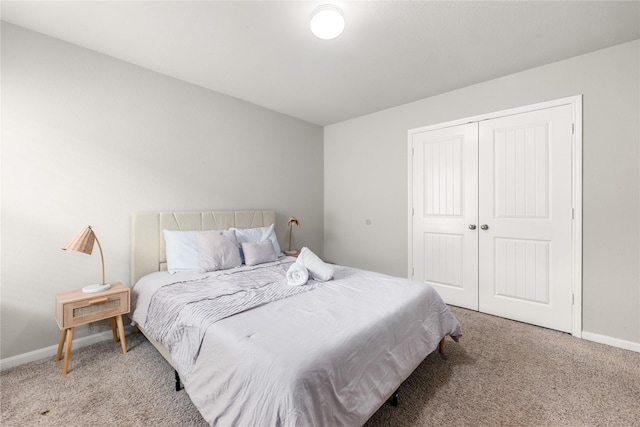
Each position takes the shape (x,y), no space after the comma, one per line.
(502,373)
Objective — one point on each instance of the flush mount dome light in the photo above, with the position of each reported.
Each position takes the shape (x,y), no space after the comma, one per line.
(327,22)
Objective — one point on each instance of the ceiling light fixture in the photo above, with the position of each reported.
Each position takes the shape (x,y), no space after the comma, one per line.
(327,22)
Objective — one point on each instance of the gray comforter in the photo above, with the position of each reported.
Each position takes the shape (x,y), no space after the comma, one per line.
(180,312)
(253,351)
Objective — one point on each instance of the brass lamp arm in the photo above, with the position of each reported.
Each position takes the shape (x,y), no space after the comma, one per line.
(101,257)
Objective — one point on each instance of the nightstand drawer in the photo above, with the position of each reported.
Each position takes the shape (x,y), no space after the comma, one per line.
(77,308)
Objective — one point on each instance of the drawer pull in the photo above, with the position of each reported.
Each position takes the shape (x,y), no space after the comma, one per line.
(98,300)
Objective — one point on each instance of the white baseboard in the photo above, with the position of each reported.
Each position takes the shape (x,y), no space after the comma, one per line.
(51,351)
(615,342)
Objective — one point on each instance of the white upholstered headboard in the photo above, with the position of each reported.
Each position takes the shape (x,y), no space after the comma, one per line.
(147,240)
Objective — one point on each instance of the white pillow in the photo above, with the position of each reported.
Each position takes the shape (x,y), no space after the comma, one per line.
(182,251)
(256,235)
(218,250)
(258,253)
(201,251)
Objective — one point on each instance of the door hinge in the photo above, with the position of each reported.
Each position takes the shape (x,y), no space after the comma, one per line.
(573,299)
(413,272)
(413,151)
(573,213)
(413,211)
(573,128)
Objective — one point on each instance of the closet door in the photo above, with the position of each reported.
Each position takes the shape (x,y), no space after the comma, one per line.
(525,213)
(445,212)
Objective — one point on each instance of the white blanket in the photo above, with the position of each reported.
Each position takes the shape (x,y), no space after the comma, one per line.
(327,357)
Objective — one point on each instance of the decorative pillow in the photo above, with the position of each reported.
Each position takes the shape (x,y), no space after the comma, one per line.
(258,253)
(255,235)
(182,251)
(201,251)
(218,250)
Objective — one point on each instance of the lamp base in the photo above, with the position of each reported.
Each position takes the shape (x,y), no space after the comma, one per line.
(96,288)
(291,252)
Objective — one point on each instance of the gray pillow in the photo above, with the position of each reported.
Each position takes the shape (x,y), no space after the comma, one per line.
(258,253)
(218,250)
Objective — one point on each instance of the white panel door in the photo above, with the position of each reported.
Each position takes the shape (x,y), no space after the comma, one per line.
(445,205)
(525,213)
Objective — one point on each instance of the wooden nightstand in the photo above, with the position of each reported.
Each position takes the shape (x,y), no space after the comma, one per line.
(77,308)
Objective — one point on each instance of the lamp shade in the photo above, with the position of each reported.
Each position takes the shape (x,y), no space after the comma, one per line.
(82,242)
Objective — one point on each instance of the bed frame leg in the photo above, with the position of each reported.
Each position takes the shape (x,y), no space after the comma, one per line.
(178,383)
(394,399)
(441,347)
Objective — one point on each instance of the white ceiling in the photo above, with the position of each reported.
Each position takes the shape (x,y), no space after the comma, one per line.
(390,53)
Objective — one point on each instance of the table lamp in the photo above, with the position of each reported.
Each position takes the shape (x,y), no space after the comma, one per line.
(292,220)
(83,242)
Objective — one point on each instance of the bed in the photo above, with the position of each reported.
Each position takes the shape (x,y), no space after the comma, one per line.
(324,353)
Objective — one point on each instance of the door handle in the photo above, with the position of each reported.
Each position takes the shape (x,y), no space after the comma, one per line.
(472,227)
(484,226)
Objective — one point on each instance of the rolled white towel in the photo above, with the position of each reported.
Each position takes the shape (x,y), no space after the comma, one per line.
(318,269)
(297,275)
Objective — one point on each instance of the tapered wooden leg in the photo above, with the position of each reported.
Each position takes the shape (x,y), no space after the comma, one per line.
(113,329)
(63,335)
(121,330)
(67,353)
(441,346)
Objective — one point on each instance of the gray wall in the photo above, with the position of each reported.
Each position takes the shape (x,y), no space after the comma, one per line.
(88,139)
(366,176)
